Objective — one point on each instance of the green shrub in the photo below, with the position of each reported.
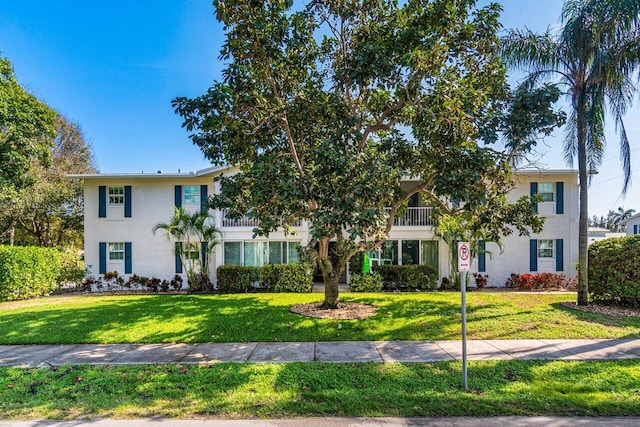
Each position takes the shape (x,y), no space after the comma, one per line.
(408,277)
(365,283)
(27,272)
(614,271)
(71,268)
(236,278)
(287,277)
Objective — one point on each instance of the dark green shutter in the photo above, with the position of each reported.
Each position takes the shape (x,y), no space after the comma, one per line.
(533,255)
(203,198)
(559,255)
(102,201)
(102,258)
(178,260)
(482,257)
(203,253)
(178,196)
(127,258)
(533,191)
(559,198)
(127,201)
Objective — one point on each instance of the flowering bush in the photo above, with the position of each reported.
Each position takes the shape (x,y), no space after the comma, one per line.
(539,281)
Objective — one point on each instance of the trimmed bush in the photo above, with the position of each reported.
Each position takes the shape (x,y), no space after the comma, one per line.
(539,281)
(408,277)
(365,283)
(614,271)
(237,278)
(27,272)
(287,277)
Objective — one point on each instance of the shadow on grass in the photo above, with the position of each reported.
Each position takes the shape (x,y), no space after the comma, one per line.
(316,389)
(601,318)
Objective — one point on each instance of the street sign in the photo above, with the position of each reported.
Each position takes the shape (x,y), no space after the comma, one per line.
(464,256)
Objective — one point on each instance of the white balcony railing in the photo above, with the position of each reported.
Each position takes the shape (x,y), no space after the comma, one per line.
(244,221)
(414,217)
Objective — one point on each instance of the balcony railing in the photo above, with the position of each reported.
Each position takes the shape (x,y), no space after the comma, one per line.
(414,217)
(245,221)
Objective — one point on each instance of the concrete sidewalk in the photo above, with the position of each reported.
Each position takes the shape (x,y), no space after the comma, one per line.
(333,351)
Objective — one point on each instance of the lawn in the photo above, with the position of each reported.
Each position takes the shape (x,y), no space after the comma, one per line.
(315,389)
(265,317)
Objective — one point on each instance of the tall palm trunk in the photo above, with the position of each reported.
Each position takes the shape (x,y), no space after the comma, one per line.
(583,223)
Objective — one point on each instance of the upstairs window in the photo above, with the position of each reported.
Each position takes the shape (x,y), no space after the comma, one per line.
(191,195)
(116,196)
(545,190)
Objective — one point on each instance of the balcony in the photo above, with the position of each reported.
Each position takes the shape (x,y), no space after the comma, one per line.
(244,221)
(414,217)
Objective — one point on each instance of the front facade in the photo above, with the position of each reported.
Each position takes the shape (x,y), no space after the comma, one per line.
(122,209)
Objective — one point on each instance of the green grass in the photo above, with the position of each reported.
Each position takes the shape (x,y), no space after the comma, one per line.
(265,317)
(315,389)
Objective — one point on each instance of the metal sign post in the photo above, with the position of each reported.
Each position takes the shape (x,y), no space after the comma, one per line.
(464,265)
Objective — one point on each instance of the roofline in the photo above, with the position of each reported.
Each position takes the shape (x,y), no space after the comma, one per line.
(547,172)
(159,174)
(631,218)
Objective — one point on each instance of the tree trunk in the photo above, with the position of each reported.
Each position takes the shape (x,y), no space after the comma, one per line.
(12,233)
(583,272)
(331,271)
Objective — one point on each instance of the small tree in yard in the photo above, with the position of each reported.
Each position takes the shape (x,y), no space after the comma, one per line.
(189,231)
(326,109)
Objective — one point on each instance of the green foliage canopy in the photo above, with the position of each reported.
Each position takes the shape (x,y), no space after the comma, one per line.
(326,109)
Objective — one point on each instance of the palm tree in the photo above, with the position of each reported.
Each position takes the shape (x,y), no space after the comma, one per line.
(620,215)
(191,230)
(595,56)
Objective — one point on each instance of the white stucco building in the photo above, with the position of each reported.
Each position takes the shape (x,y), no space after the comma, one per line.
(121,210)
(632,224)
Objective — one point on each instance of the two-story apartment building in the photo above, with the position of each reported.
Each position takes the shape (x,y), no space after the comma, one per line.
(121,210)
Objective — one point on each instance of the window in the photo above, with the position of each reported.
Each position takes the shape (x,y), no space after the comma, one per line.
(545,248)
(191,251)
(191,195)
(545,190)
(293,252)
(390,252)
(276,255)
(410,252)
(430,253)
(116,196)
(252,254)
(116,251)
(232,254)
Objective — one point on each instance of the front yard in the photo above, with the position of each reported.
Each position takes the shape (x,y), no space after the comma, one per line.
(266,317)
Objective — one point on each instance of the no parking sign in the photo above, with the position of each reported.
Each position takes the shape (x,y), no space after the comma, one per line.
(464,256)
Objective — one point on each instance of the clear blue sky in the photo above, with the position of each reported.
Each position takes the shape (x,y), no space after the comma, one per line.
(114,67)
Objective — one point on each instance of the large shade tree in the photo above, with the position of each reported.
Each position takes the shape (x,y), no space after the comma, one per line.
(594,57)
(326,109)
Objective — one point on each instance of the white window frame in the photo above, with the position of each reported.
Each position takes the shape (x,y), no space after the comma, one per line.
(115,248)
(550,248)
(115,196)
(547,191)
(188,196)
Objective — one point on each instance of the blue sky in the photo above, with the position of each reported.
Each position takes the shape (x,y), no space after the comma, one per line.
(114,67)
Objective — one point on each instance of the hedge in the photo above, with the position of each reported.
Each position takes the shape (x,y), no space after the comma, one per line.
(407,277)
(365,283)
(272,278)
(614,271)
(236,278)
(27,272)
(287,277)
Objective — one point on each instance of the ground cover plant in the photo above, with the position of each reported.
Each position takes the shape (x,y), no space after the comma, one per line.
(266,317)
(317,389)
